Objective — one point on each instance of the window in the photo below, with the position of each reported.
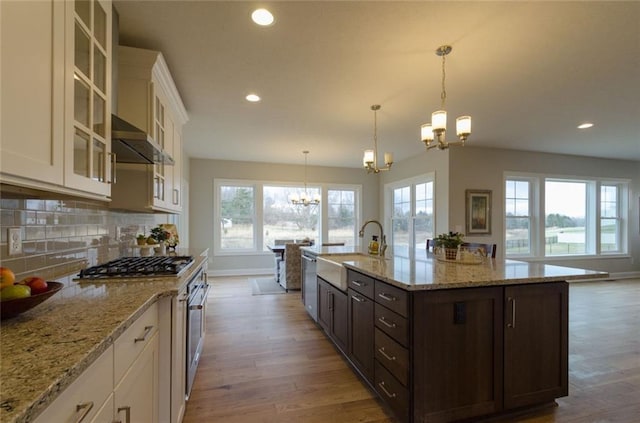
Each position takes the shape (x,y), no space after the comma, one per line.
(423,217)
(517,217)
(577,217)
(610,218)
(237,217)
(412,206)
(250,215)
(341,216)
(565,217)
(400,220)
(282,220)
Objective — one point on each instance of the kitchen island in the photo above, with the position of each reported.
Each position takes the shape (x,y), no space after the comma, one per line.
(44,350)
(445,341)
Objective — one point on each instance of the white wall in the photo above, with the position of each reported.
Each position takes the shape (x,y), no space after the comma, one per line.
(202,174)
(483,168)
(456,170)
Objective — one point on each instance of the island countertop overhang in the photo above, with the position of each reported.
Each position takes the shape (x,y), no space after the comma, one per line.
(432,274)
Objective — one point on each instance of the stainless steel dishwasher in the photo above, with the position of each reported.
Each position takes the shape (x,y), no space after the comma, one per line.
(309,285)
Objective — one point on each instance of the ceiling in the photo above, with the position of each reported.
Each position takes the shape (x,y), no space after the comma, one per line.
(527,72)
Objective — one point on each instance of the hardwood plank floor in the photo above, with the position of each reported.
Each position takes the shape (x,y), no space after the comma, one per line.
(264,360)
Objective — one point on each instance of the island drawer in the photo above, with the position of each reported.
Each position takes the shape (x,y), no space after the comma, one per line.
(133,340)
(392,324)
(361,283)
(393,356)
(391,297)
(392,392)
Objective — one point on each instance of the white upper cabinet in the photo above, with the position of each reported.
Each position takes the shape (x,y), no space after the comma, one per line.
(87,96)
(55,131)
(32,84)
(148,99)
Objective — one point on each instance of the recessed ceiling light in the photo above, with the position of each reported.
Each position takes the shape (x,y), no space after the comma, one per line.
(585,125)
(262,17)
(253,98)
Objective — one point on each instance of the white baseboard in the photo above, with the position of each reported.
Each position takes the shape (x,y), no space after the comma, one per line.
(241,272)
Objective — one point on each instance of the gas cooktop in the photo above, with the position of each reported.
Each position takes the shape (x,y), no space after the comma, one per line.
(138,267)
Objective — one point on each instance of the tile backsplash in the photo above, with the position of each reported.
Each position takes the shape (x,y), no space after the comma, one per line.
(60,237)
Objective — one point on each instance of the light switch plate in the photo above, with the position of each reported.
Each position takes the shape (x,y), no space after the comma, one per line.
(15,241)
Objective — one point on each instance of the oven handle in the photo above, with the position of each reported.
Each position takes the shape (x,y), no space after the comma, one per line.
(204,300)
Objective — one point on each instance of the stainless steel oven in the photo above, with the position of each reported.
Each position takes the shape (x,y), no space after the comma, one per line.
(197,290)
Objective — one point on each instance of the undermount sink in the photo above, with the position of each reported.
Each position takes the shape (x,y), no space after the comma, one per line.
(330,268)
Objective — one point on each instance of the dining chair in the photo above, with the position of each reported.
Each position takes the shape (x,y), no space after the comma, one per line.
(489,249)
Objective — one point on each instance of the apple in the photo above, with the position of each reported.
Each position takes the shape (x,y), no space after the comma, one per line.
(7,277)
(14,292)
(37,284)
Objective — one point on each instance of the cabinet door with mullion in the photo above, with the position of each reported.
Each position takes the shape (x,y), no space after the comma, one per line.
(536,343)
(88,103)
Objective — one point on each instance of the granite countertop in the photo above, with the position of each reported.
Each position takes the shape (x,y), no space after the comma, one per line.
(429,273)
(46,348)
(426,272)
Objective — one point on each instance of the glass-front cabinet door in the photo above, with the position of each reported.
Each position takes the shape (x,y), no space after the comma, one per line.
(88,164)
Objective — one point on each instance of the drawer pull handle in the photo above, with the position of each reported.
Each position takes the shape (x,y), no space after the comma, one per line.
(127,413)
(86,406)
(387,297)
(358,283)
(387,356)
(512,324)
(387,324)
(143,338)
(358,299)
(196,307)
(384,389)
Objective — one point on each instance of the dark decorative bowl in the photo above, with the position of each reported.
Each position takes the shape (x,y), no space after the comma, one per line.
(12,308)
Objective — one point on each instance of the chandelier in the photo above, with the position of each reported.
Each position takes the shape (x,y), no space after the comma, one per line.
(438,125)
(370,159)
(304,199)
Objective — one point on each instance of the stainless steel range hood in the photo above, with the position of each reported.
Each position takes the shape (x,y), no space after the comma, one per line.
(132,145)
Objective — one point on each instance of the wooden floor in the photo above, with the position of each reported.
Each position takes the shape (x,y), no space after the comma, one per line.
(264,360)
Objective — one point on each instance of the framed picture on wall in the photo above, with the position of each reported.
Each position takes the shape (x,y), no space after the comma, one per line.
(478,212)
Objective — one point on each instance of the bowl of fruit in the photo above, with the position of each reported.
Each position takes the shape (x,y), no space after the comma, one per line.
(18,297)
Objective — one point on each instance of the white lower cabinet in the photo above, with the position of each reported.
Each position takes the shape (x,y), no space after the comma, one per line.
(122,385)
(81,401)
(105,413)
(179,356)
(136,396)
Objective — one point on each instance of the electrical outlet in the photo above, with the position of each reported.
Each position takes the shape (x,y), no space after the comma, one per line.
(15,241)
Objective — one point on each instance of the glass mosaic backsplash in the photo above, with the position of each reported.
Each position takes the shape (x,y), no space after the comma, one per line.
(63,236)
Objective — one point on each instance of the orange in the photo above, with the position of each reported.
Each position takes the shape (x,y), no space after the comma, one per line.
(7,277)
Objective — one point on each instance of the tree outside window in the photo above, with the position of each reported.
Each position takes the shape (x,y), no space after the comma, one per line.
(237,216)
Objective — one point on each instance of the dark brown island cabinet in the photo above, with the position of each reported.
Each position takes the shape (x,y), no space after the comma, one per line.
(452,354)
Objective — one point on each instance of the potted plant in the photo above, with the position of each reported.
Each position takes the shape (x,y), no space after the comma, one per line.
(141,239)
(161,235)
(449,242)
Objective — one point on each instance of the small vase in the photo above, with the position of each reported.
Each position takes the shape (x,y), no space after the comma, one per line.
(161,249)
(450,253)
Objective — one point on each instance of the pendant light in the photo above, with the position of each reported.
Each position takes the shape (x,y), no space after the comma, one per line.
(370,159)
(437,128)
(304,199)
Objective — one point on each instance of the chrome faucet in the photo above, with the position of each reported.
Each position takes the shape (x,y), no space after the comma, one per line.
(383,238)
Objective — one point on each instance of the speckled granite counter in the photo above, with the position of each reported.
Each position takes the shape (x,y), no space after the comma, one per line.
(430,273)
(425,272)
(45,349)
